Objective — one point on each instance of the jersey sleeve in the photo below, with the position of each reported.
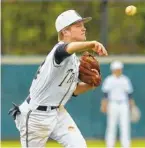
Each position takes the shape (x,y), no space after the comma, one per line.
(61,53)
(106,86)
(129,87)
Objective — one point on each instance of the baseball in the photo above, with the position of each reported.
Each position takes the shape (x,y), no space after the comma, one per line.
(131,10)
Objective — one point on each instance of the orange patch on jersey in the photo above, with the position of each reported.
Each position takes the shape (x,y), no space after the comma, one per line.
(71,128)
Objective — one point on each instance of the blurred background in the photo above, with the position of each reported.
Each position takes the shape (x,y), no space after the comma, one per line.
(27,36)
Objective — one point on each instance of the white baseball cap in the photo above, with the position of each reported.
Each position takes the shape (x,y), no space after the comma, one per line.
(116,65)
(67,18)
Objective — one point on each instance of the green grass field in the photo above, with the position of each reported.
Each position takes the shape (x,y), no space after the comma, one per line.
(91,143)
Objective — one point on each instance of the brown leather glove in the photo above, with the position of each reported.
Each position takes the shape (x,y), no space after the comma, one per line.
(89,70)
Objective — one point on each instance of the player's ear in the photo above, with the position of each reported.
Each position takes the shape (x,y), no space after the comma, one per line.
(65,31)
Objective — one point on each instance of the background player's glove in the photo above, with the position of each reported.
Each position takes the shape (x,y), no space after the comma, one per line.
(89,70)
(135,114)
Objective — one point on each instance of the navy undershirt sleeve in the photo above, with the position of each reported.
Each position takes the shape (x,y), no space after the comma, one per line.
(129,95)
(61,53)
(106,95)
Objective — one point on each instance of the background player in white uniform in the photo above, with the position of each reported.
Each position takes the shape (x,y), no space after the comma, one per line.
(117,89)
(41,114)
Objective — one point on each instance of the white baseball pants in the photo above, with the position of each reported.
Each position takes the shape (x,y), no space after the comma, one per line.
(37,126)
(118,113)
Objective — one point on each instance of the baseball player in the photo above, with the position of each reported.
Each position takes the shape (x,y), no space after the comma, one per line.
(117,89)
(42,114)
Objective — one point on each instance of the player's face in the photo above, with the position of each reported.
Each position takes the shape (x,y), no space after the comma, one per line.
(78,32)
(117,72)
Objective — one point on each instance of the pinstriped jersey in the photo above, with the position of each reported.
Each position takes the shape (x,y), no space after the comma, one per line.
(54,83)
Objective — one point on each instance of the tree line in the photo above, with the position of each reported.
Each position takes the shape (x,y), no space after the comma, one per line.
(29,27)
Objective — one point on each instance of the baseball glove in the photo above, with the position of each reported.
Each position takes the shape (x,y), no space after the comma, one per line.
(89,70)
(135,114)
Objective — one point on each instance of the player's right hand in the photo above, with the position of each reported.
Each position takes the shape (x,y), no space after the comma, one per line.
(99,49)
(104,106)
(103,109)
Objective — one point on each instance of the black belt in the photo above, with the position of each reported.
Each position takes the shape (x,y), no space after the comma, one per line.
(42,108)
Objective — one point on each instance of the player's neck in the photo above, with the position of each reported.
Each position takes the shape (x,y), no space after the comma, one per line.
(68,40)
(117,75)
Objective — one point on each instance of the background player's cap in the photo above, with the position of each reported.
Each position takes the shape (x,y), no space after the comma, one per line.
(116,65)
(67,18)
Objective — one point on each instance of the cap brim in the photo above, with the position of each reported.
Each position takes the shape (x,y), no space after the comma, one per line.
(87,19)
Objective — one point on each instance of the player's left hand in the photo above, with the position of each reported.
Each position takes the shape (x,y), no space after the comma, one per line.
(132,103)
(99,49)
